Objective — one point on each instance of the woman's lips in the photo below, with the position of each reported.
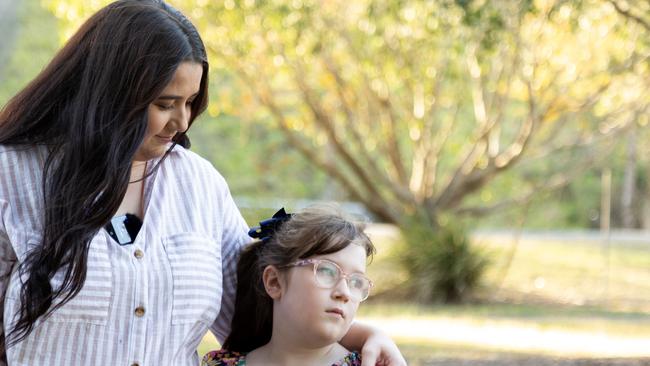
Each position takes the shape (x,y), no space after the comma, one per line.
(165,139)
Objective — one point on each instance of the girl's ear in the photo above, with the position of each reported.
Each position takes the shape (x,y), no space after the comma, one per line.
(271,277)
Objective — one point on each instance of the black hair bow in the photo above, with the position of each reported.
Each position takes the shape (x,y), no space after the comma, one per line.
(268,227)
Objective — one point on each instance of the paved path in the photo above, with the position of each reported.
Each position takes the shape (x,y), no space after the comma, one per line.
(535,361)
(516,338)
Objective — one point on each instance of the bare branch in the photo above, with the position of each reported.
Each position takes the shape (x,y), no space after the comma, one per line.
(394,150)
(480,112)
(322,119)
(392,143)
(514,151)
(468,174)
(436,150)
(370,162)
(628,14)
(557,181)
(498,102)
(265,97)
(581,141)
(469,178)
(426,153)
(523,199)
(427,156)
(263,94)
(459,178)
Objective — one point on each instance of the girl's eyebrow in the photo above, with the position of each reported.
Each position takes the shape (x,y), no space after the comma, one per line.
(340,266)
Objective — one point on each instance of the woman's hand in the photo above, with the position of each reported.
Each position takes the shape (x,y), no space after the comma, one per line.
(377,349)
(380,350)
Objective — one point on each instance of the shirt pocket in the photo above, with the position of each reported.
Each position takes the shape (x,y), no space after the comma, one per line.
(92,303)
(195,262)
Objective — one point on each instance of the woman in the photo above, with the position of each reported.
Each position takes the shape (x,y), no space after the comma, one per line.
(109,228)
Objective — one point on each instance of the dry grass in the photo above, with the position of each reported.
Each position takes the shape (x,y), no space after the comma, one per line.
(559,303)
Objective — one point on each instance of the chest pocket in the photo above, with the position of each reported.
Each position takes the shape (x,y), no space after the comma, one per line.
(196,272)
(92,303)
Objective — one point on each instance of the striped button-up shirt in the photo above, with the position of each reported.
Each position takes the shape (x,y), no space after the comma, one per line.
(147,303)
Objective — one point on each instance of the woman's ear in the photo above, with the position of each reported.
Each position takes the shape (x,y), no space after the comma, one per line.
(271,277)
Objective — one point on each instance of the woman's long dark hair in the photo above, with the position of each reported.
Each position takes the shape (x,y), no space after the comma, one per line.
(316,230)
(89,108)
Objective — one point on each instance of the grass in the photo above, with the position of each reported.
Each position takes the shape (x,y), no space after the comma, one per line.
(541,272)
(572,299)
(577,273)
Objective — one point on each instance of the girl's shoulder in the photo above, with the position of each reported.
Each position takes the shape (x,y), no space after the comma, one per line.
(228,358)
(352,359)
(223,357)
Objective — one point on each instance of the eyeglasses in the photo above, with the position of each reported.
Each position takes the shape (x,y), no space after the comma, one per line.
(328,274)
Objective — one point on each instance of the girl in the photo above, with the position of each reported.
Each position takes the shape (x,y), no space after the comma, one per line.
(109,226)
(298,291)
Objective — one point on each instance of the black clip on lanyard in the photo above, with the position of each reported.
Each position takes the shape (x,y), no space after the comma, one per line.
(124,229)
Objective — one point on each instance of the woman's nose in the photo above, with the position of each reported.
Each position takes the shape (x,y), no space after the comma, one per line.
(181,119)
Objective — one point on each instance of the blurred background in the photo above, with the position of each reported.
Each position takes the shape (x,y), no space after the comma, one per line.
(499,150)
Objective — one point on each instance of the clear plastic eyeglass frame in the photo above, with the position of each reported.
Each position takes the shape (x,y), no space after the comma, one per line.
(358,293)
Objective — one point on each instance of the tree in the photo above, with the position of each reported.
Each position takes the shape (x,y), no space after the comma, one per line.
(639,14)
(30,40)
(638,11)
(415,107)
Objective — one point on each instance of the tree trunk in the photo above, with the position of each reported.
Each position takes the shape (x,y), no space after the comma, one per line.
(629,182)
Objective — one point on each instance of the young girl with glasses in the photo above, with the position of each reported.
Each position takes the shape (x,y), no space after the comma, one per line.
(298,291)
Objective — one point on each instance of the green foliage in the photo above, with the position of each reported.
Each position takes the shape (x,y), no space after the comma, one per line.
(255,160)
(438,107)
(442,263)
(35,43)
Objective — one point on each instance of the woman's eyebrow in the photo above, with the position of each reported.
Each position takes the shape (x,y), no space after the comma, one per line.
(173,97)
(176,97)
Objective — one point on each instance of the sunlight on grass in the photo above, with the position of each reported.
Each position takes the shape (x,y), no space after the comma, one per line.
(574,273)
(437,331)
(559,299)
(543,272)
(512,335)
(208,343)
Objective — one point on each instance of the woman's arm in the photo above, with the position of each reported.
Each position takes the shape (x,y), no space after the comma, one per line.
(7,262)
(377,348)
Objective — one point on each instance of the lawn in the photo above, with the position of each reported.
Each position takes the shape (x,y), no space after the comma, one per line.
(557,302)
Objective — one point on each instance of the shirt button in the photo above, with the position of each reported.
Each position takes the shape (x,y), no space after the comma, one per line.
(138,253)
(135,364)
(139,311)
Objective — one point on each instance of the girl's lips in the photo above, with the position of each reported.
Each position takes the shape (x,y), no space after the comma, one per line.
(336,311)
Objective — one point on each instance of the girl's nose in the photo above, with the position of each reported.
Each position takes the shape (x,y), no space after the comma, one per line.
(341,291)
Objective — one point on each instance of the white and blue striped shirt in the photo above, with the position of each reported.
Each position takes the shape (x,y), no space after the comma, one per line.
(148,303)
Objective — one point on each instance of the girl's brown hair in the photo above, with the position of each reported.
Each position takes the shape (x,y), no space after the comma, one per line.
(316,230)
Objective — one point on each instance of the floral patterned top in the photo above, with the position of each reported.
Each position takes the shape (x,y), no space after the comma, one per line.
(226,358)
